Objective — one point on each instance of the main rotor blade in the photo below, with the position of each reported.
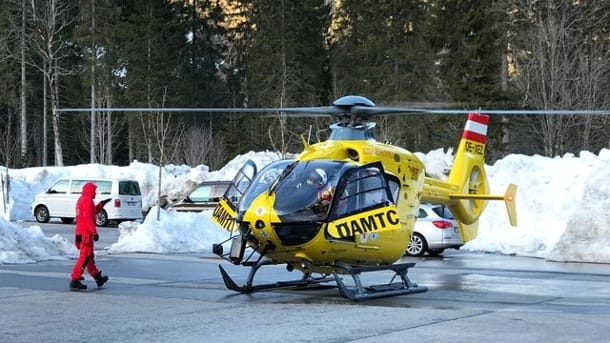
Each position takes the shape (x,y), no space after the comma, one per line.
(360,111)
(522,112)
(398,110)
(380,110)
(326,110)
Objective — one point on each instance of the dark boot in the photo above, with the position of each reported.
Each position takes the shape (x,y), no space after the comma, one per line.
(76,285)
(100,279)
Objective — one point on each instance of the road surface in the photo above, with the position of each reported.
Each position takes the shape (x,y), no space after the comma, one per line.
(472,297)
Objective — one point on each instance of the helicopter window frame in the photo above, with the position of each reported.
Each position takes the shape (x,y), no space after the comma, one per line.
(263,181)
(240,184)
(355,189)
(394,185)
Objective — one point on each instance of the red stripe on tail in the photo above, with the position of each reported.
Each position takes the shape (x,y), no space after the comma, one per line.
(479,118)
(476,127)
(475,137)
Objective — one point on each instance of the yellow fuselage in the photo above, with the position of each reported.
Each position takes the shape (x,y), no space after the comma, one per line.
(378,236)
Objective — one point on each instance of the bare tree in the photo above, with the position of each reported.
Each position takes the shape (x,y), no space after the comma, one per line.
(196,145)
(561,65)
(9,142)
(50,19)
(8,153)
(22,48)
(107,129)
(218,155)
(103,129)
(104,134)
(592,81)
(200,146)
(164,135)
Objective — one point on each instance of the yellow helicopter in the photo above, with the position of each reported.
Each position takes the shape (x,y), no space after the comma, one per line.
(347,205)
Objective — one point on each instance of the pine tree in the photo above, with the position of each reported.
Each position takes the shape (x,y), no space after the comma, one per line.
(470,40)
(381,50)
(286,65)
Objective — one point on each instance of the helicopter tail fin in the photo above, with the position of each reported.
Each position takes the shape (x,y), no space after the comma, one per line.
(468,173)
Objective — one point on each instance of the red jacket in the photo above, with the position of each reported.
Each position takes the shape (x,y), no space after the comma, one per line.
(85,213)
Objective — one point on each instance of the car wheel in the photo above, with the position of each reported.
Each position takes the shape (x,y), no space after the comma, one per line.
(417,245)
(66,220)
(42,214)
(101,218)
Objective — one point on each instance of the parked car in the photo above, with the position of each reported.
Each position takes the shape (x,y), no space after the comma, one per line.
(59,200)
(435,230)
(204,196)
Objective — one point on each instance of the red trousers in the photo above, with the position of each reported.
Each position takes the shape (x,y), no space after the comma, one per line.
(85,260)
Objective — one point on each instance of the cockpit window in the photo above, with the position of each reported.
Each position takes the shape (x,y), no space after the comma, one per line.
(240,183)
(307,192)
(364,188)
(263,181)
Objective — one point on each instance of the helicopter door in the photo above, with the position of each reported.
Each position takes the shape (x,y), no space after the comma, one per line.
(362,189)
(225,212)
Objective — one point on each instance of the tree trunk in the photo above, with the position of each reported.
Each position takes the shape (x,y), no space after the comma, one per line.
(24,135)
(54,85)
(92,157)
(282,116)
(109,132)
(45,109)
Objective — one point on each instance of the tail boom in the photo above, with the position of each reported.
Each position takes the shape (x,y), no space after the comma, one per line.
(466,191)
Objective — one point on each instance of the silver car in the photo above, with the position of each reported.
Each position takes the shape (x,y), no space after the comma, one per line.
(204,197)
(434,231)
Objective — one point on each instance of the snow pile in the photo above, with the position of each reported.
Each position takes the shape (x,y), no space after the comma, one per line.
(563,208)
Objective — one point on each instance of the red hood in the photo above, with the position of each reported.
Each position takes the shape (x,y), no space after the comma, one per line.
(89,189)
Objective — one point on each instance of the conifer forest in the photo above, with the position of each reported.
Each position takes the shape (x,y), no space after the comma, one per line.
(442,54)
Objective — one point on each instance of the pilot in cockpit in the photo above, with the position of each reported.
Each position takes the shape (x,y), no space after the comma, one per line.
(319,179)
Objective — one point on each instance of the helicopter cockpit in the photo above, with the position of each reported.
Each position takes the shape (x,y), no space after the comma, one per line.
(315,190)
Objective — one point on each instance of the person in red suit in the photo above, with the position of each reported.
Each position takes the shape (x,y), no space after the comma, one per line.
(85,234)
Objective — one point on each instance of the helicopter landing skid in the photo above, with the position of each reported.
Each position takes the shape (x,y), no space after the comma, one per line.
(355,293)
(359,293)
(306,281)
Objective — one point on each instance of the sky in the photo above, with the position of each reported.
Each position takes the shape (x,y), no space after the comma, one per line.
(563,208)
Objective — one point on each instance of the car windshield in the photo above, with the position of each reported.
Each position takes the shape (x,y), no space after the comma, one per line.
(208,192)
(201,193)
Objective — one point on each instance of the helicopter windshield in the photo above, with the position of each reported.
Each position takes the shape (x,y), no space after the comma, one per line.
(263,181)
(306,193)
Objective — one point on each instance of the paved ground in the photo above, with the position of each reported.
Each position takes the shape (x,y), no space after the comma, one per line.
(181,298)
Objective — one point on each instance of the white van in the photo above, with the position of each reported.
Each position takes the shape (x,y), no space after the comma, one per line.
(59,200)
